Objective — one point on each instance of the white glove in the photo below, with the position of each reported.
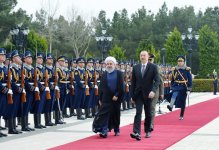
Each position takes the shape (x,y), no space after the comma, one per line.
(37,89)
(188,92)
(96,87)
(56,88)
(87,86)
(25,91)
(10,91)
(47,89)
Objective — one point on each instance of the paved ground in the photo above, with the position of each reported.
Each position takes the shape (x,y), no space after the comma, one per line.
(203,139)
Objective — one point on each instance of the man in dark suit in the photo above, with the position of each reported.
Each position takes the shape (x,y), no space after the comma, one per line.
(145,82)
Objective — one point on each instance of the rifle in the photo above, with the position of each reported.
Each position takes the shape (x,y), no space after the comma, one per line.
(48,96)
(71,82)
(10,100)
(37,93)
(86,83)
(56,84)
(95,83)
(23,95)
(126,81)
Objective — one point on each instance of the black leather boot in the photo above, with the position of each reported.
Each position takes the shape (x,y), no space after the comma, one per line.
(23,124)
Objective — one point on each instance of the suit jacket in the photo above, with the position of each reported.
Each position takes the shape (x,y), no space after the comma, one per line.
(144,85)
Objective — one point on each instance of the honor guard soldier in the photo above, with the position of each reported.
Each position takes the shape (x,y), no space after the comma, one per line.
(68,87)
(4,90)
(181,85)
(80,88)
(49,72)
(29,87)
(122,69)
(90,99)
(12,108)
(215,82)
(62,85)
(127,81)
(72,84)
(40,95)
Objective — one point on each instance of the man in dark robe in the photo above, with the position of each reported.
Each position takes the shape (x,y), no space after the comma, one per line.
(111,91)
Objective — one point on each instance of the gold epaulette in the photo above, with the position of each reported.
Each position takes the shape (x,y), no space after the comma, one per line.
(188,68)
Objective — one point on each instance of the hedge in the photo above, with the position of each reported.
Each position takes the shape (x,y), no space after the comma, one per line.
(202,85)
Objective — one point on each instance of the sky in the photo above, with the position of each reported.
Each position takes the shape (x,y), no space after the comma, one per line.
(89,8)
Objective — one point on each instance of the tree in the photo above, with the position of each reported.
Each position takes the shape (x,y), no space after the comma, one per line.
(174,47)
(118,53)
(209,51)
(35,41)
(79,34)
(147,45)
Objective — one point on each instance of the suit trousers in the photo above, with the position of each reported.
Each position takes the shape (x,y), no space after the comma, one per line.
(140,103)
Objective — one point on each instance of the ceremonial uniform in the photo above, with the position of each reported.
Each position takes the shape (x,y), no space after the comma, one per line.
(12,109)
(49,102)
(79,75)
(181,83)
(91,98)
(3,88)
(39,103)
(215,82)
(29,87)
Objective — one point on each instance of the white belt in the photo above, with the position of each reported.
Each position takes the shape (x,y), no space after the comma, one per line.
(42,82)
(65,82)
(51,82)
(82,81)
(92,82)
(98,81)
(18,84)
(4,84)
(31,83)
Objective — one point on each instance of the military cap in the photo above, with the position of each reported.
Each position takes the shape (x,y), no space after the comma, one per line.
(151,56)
(80,60)
(73,61)
(26,54)
(102,62)
(39,55)
(14,53)
(48,56)
(61,58)
(180,58)
(2,51)
(97,61)
(8,55)
(90,60)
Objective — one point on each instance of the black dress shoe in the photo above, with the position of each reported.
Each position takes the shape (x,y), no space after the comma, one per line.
(3,135)
(116,134)
(25,129)
(2,128)
(135,136)
(38,127)
(180,118)
(42,126)
(12,132)
(31,129)
(148,134)
(103,135)
(170,108)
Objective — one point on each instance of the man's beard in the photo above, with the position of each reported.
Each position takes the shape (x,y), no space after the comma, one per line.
(110,70)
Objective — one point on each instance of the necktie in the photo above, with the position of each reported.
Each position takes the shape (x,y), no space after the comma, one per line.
(142,70)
